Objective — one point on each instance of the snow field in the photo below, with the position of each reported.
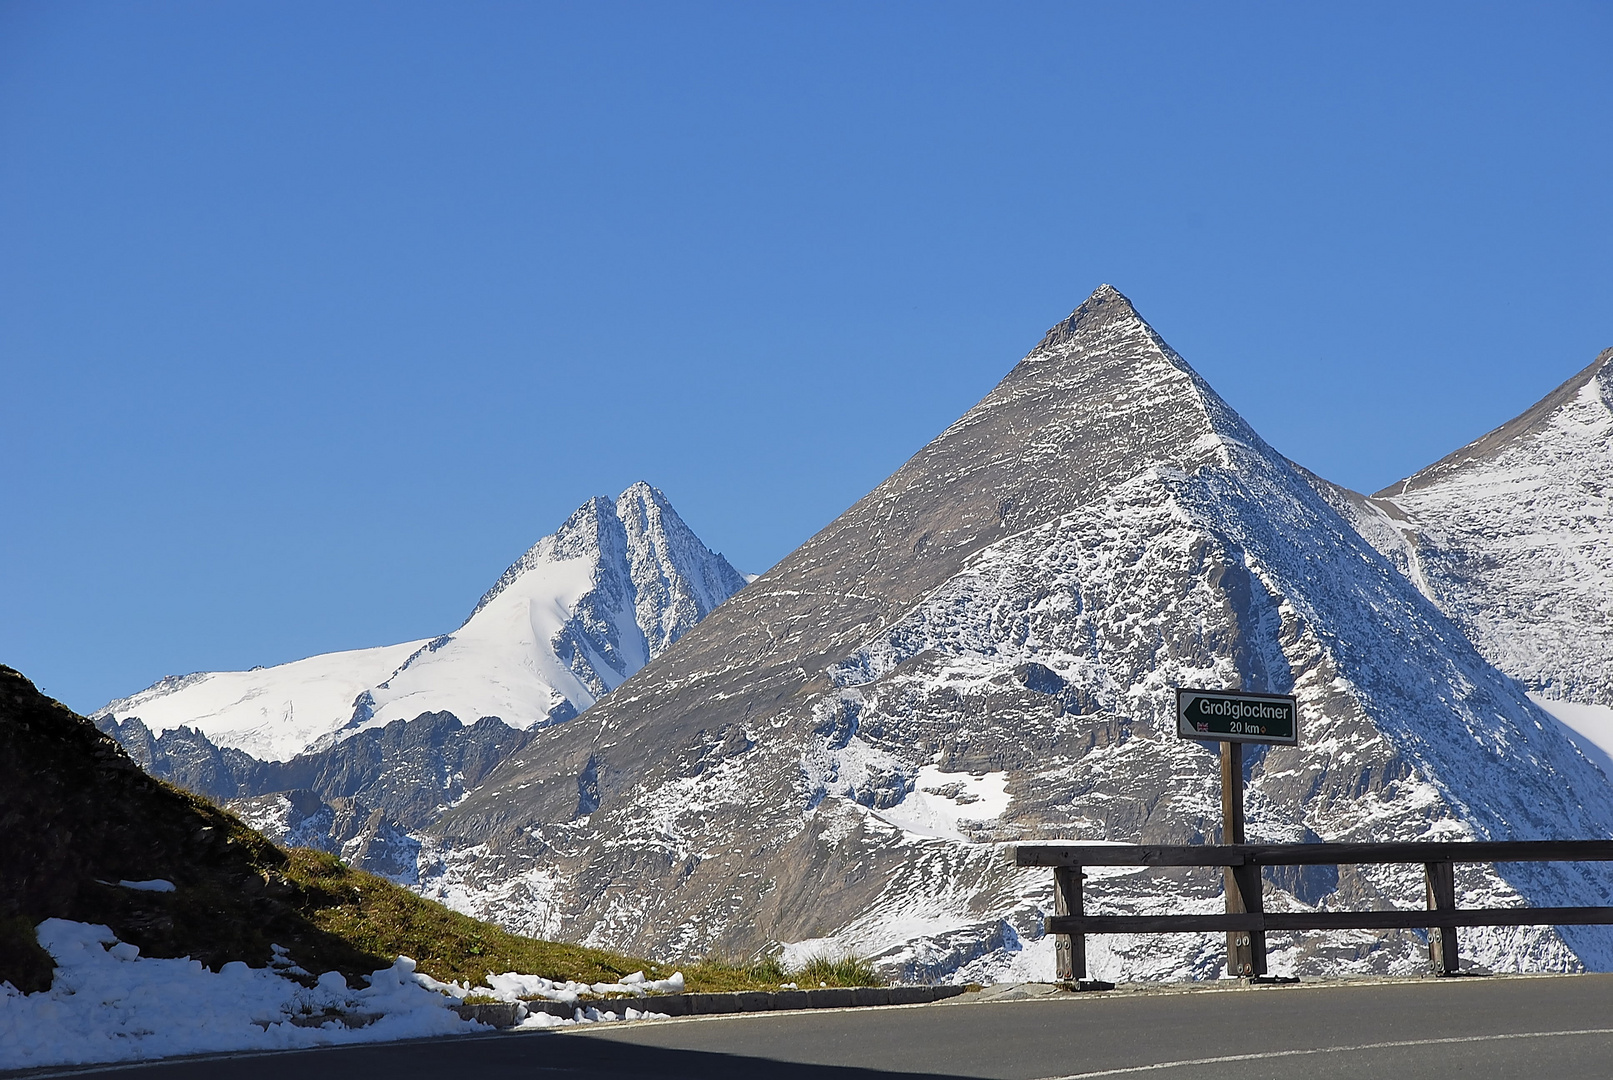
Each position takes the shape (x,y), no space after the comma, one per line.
(940,802)
(108,1003)
(273,713)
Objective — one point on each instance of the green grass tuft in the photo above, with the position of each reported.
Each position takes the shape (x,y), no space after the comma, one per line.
(843,970)
(716,975)
(377,918)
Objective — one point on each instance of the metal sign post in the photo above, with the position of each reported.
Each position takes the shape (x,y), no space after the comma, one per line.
(1233,718)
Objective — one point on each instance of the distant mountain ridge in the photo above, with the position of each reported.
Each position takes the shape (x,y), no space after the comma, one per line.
(571,619)
(1512,537)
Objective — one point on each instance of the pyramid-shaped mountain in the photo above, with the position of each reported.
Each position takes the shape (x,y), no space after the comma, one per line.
(983,649)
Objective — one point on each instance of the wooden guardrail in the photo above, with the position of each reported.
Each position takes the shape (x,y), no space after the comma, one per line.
(1247,921)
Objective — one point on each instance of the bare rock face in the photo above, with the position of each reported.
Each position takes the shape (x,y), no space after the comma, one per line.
(983,649)
(361,836)
(365,798)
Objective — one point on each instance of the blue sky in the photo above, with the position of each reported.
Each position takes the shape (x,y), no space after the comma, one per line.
(314,316)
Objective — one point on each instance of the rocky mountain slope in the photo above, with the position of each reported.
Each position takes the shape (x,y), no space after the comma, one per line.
(982,649)
(1512,536)
(577,614)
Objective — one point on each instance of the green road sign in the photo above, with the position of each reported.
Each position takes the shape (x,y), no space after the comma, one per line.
(1235,716)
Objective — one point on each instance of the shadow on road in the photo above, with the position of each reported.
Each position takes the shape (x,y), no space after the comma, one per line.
(537,1054)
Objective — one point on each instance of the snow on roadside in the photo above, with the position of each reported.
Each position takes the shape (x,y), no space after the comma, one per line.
(512,986)
(109,1003)
(589,1015)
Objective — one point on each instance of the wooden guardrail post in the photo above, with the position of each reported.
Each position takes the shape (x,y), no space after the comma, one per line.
(1442,955)
(1069,950)
(1246,949)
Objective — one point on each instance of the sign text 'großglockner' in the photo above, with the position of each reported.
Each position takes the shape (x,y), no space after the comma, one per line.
(1237,716)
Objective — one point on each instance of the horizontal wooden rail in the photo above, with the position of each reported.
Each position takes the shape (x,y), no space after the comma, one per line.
(1246,923)
(1327,920)
(1477,851)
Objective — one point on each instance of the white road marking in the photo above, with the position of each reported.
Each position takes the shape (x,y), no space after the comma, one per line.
(1270,1054)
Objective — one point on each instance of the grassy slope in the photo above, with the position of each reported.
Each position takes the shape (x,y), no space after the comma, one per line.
(382,919)
(77,813)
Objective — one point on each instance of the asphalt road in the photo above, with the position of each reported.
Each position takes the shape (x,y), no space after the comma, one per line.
(1557,1027)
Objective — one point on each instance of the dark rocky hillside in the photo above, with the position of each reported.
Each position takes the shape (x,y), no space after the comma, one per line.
(77,816)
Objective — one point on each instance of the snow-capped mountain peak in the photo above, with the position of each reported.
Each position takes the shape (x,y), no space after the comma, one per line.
(579,537)
(1583,401)
(1512,536)
(574,616)
(676,581)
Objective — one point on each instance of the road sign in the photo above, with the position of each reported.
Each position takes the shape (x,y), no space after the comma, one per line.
(1232,718)
(1236,716)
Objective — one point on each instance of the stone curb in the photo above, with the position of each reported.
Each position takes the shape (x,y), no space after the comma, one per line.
(746,1001)
(500,1014)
